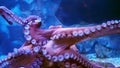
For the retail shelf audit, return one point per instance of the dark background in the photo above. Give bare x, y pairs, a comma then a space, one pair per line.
93, 11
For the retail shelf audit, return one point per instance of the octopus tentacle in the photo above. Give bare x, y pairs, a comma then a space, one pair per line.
9, 16
23, 57
74, 35
16, 56
70, 59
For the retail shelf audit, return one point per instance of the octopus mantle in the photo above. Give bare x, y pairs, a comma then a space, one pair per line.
54, 47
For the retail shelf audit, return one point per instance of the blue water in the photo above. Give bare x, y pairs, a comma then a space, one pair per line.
67, 13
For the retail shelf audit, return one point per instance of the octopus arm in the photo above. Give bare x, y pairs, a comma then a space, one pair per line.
71, 36
21, 57
9, 16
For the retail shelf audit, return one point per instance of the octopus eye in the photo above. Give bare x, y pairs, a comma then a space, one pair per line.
33, 20
37, 22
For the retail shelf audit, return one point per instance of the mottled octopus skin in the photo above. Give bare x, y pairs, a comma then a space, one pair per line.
54, 47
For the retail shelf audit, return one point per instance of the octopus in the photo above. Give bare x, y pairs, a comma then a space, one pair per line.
53, 47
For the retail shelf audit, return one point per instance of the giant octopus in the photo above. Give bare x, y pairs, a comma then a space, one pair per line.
53, 47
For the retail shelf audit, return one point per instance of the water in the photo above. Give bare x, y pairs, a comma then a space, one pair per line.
75, 13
